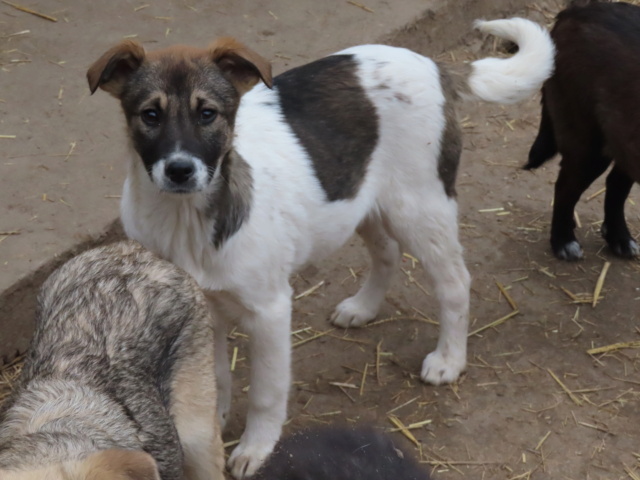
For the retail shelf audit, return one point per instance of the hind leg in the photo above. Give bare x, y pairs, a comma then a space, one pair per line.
429, 230
578, 170
544, 147
614, 228
385, 255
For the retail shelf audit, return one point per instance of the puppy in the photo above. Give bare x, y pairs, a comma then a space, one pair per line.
241, 186
339, 453
589, 116
119, 380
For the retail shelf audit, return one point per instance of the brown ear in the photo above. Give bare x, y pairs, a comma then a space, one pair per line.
112, 69
241, 65
119, 464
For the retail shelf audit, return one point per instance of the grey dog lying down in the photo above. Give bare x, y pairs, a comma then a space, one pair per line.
119, 381
119, 384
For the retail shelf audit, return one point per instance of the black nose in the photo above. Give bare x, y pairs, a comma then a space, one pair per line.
179, 171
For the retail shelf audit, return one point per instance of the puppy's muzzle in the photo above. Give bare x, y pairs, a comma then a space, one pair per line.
180, 171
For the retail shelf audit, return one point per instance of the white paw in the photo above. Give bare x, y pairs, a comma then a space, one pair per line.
437, 369
246, 458
352, 313
571, 251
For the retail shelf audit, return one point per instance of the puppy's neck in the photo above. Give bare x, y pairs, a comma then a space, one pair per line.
220, 210
230, 203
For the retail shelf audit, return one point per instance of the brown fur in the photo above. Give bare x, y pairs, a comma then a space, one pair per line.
114, 464
242, 66
109, 71
194, 411
233, 58
454, 81
119, 383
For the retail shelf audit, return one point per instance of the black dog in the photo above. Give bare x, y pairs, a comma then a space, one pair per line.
590, 115
339, 453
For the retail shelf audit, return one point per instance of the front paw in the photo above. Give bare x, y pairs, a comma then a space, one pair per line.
352, 313
247, 457
625, 247
438, 369
570, 251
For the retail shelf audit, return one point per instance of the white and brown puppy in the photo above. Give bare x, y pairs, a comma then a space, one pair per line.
119, 380
241, 186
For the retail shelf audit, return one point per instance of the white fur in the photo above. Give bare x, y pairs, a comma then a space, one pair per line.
510, 80
200, 175
401, 203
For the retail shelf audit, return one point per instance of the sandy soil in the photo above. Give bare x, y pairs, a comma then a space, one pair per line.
533, 403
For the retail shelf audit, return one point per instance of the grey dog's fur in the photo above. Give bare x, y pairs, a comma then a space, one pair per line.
122, 358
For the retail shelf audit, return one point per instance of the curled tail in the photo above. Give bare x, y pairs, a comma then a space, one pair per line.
509, 80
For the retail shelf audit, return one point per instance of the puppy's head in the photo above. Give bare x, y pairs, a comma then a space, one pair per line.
105, 465
180, 104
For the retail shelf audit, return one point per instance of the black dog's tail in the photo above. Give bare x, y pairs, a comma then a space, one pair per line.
544, 148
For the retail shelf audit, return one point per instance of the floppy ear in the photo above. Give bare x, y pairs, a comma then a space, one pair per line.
111, 70
121, 465
242, 66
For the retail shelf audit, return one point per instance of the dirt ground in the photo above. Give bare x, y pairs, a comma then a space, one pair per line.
533, 404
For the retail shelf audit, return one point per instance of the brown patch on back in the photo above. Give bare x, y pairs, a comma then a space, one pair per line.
453, 84
335, 121
457, 77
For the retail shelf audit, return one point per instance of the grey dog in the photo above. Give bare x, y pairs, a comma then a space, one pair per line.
119, 381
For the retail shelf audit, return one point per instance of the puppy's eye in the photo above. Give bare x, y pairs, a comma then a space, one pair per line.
207, 115
151, 117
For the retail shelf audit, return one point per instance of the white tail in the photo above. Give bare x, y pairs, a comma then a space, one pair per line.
509, 80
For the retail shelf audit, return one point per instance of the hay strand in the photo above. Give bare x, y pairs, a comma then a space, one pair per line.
30, 11
614, 347
403, 429
494, 323
507, 297
234, 358
317, 335
364, 378
308, 292
575, 399
600, 283
360, 5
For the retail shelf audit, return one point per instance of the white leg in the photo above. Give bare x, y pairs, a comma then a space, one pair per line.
429, 229
269, 329
385, 254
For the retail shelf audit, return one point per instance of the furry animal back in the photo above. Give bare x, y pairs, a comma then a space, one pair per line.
119, 379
